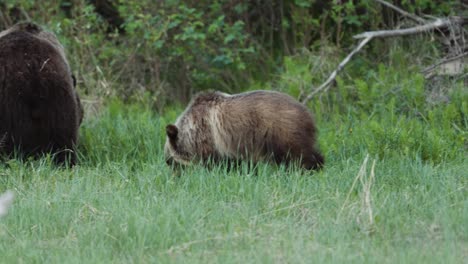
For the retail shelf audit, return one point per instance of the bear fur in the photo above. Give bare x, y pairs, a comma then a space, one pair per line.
40, 110
258, 125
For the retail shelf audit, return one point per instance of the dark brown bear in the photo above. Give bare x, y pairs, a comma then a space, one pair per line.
258, 125
40, 110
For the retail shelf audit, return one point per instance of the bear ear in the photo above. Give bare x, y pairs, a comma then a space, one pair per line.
172, 131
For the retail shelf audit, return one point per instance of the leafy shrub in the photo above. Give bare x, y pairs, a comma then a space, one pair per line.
384, 111
166, 50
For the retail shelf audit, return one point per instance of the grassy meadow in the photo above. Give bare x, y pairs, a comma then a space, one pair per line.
395, 184
393, 191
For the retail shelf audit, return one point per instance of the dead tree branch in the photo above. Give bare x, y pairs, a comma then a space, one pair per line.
368, 36
335, 72
447, 60
438, 23
403, 12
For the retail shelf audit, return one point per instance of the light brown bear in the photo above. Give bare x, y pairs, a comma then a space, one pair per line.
257, 125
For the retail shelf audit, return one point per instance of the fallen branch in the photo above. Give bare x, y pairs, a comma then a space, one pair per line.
430, 68
438, 23
368, 36
335, 72
403, 12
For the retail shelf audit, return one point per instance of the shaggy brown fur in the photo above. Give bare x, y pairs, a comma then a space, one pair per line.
258, 125
40, 110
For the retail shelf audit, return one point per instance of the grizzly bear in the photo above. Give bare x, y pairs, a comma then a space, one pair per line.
40, 110
254, 126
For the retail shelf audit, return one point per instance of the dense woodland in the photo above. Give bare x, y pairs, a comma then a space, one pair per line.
171, 49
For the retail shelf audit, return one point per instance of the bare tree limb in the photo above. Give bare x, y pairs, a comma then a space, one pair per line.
431, 68
403, 12
367, 36
444, 61
438, 23
338, 69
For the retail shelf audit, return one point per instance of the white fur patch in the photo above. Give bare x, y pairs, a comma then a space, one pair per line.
224, 94
5, 32
220, 144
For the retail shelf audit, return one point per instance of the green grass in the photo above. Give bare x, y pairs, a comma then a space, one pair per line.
122, 204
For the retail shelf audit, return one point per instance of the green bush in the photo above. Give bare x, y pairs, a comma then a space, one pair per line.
166, 50
385, 110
